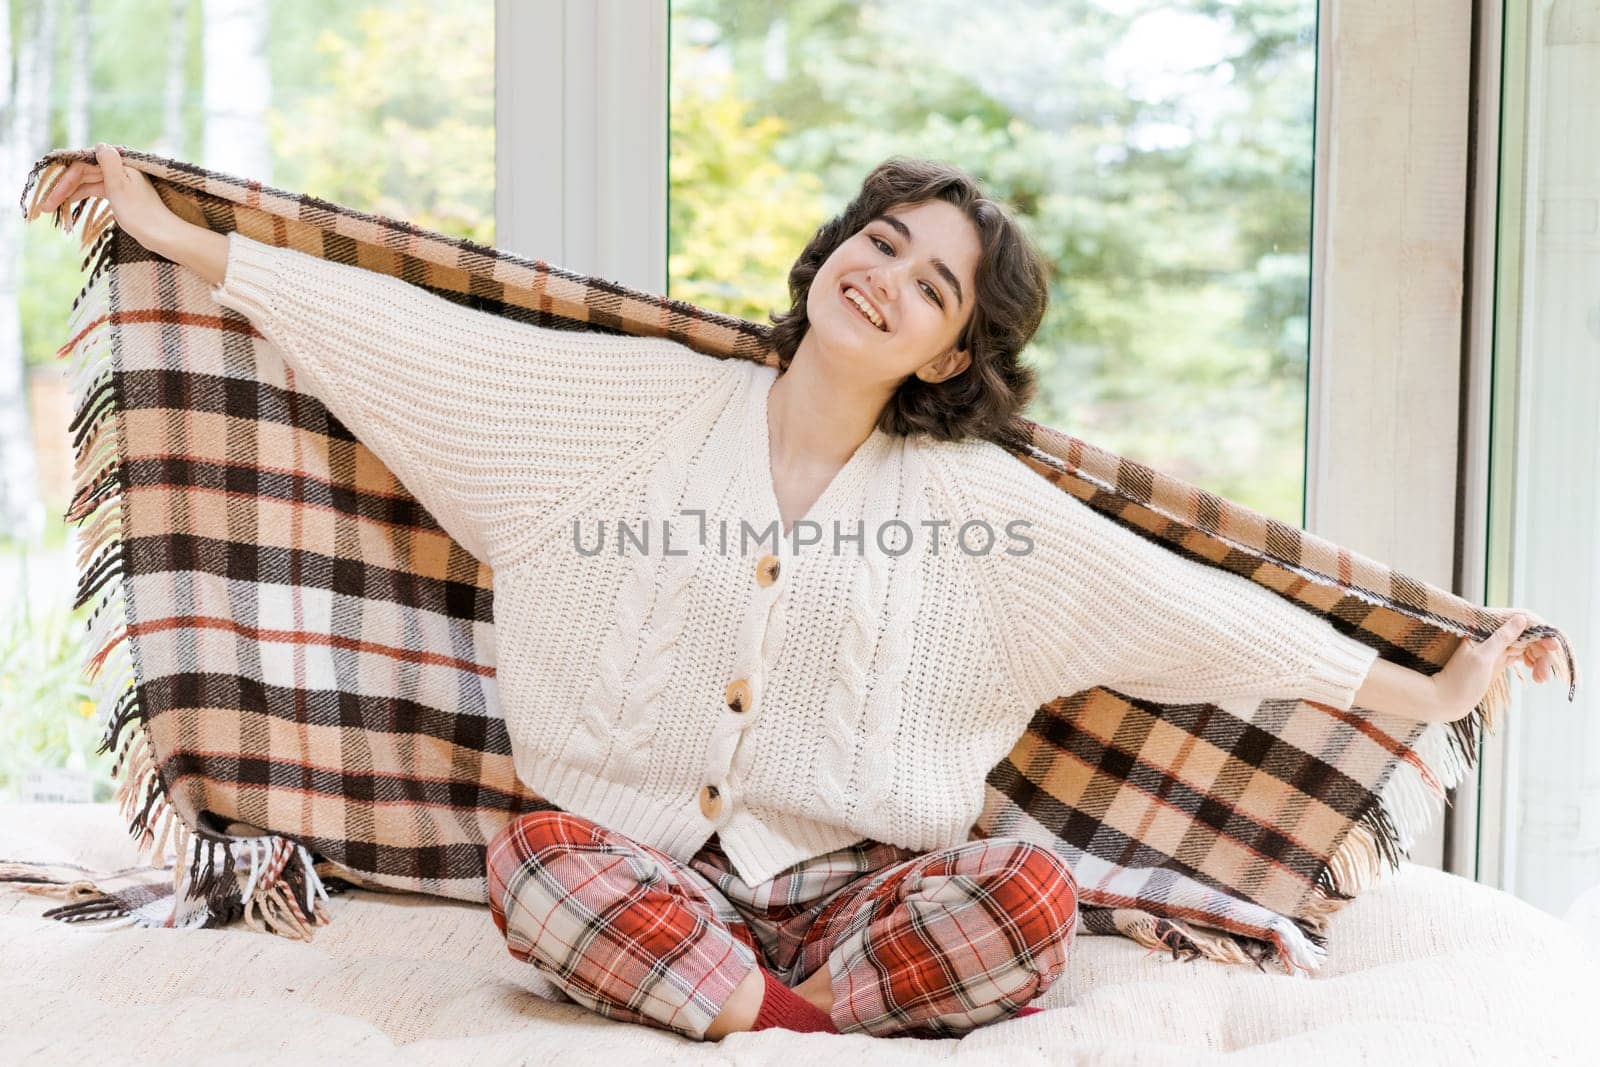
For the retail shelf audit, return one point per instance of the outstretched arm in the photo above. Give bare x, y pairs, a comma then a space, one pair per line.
489, 421
1094, 603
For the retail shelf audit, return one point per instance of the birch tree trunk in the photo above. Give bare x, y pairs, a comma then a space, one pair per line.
171, 140
238, 87
24, 111
78, 72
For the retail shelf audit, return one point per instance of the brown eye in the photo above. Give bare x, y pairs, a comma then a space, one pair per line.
933, 293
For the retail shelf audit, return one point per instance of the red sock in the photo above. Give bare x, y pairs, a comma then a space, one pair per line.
1026, 1011
783, 1008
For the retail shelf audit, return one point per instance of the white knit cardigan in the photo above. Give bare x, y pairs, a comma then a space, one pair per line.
787, 697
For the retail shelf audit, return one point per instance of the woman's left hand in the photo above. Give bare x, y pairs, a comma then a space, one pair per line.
1461, 684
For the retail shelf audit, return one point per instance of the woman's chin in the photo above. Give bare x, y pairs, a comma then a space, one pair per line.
855, 333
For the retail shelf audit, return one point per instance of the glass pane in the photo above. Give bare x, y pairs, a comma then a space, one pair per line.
308, 96
1545, 473
1162, 159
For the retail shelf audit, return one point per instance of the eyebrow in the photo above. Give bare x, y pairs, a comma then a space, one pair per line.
938, 264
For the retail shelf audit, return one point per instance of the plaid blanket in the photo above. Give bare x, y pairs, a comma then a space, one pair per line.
207, 481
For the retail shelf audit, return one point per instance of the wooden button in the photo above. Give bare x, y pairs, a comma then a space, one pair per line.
767, 570
710, 801
737, 695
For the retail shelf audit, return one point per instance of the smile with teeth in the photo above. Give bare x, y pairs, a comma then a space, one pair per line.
860, 302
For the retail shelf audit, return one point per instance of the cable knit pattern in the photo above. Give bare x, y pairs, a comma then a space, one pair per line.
848, 693
856, 769
879, 751
881, 688
665, 579
613, 718
598, 718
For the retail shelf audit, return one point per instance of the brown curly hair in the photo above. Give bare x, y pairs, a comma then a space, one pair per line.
1012, 291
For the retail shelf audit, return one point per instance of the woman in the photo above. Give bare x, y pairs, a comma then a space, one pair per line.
763, 764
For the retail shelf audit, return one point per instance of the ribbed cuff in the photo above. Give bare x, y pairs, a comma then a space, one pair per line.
1339, 671
249, 278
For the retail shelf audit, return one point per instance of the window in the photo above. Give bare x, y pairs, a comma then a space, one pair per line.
1161, 159
1540, 830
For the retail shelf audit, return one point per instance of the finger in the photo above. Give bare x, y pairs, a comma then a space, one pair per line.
1508, 632
62, 186
110, 161
83, 192
1553, 663
1516, 665
47, 194
68, 191
88, 189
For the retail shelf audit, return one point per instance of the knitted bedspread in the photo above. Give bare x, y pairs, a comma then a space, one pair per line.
207, 482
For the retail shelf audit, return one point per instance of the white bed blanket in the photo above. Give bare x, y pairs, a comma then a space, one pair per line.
1425, 968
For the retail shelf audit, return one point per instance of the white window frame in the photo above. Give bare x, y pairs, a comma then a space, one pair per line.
581, 136
1476, 838
581, 114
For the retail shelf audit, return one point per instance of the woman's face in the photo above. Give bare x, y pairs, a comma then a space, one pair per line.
915, 265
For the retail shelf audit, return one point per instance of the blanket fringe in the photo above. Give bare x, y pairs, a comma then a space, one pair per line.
281, 891
1187, 940
1405, 805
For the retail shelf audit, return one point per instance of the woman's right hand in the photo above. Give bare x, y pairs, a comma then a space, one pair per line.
134, 202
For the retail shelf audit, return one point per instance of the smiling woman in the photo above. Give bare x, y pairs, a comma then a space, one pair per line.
909, 313
957, 287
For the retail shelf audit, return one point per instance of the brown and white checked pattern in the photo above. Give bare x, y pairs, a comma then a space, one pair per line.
223, 509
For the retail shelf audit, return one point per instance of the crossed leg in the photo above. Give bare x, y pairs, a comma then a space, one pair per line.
945, 942
935, 945
626, 931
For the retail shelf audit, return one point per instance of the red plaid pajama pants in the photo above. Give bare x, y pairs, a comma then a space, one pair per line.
922, 944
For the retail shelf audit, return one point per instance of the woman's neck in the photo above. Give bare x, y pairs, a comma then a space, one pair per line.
815, 423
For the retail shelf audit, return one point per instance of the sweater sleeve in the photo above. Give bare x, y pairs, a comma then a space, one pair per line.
489, 422
1094, 603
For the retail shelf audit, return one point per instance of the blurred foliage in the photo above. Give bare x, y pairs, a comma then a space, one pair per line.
1172, 196
394, 114
737, 217
46, 716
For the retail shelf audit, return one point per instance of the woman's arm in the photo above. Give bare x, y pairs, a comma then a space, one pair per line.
1090, 602
1396, 690
201, 250
1461, 684
492, 423
1094, 603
